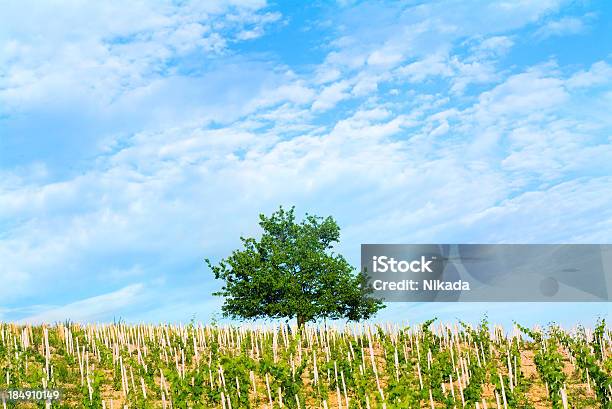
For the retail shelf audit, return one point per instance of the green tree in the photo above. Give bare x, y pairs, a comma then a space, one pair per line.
292, 272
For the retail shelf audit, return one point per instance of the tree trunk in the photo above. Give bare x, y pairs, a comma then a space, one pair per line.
301, 320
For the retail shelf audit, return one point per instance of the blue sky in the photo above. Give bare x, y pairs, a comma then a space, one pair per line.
138, 138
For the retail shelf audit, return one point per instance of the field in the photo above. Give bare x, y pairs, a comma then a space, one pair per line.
429, 365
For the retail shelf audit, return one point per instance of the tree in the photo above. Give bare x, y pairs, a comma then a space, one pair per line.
292, 272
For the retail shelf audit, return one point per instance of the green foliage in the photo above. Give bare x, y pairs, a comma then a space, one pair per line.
379, 365
589, 359
292, 272
549, 363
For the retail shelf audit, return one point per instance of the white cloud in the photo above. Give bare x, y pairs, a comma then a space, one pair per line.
366, 84
477, 68
600, 73
331, 95
475, 72
384, 57
561, 27
297, 92
569, 212
533, 91
432, 65
326, 75
112, 48
496, 45
385, 37
90, 309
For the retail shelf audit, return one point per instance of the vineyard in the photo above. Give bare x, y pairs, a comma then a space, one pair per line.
429, 365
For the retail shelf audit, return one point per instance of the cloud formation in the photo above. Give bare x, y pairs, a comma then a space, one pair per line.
137, 146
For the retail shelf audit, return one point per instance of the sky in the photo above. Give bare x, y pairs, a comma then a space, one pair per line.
138, 138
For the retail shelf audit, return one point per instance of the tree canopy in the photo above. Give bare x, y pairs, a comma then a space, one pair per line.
292, 272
